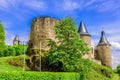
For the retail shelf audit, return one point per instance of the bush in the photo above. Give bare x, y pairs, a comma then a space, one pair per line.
13, 50
9, 51
107, 72
38, 76
118, 69
18, 61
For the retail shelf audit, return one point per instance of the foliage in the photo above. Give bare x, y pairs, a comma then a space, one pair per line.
20, 49
38, 76
9, 72
118, 69
65, 54
13, 50
18, 61
9, 51
6, 67
2, 37
99, 72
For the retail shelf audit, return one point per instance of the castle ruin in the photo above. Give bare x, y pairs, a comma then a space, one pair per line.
42, 29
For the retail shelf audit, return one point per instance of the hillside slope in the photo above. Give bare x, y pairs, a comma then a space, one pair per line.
5, 66
97, 71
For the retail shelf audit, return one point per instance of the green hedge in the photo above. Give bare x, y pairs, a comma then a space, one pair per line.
38, 76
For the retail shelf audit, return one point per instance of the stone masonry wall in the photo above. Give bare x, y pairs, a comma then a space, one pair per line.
87, 40
41, 30
104, 54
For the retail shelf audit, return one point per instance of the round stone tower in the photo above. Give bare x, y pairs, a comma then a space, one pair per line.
85, 36
41, 30
104, 52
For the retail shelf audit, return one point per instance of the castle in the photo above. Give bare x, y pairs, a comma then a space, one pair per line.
101, 53
42, 29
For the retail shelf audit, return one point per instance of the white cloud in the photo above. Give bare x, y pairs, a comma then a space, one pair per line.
115, 45
114, 37
109, 5
7, 4
4, 4
35, 4
115, 59
70, 5
89, 3
105, 6
98, 5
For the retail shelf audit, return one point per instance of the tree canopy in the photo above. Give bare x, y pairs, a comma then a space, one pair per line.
2, 37
14, 50
65, 54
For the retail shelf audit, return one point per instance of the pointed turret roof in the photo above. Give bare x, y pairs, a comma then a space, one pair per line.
103, 39
82, 29
16, 38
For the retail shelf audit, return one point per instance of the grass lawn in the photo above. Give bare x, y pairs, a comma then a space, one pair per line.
5, 66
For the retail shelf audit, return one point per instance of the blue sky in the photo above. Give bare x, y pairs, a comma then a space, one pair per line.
16, 16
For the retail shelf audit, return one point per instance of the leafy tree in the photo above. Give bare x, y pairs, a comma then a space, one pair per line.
118, 69
19, 49
66, 53
13, 50
2, 37
9, 51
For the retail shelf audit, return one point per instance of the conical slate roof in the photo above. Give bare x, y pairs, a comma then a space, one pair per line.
82, 29
103, 39
16, 38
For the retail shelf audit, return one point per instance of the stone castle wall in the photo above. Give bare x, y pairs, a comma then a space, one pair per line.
104, 55
41, 30
87, 40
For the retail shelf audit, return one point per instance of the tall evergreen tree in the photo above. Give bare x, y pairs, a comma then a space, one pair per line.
2, 37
